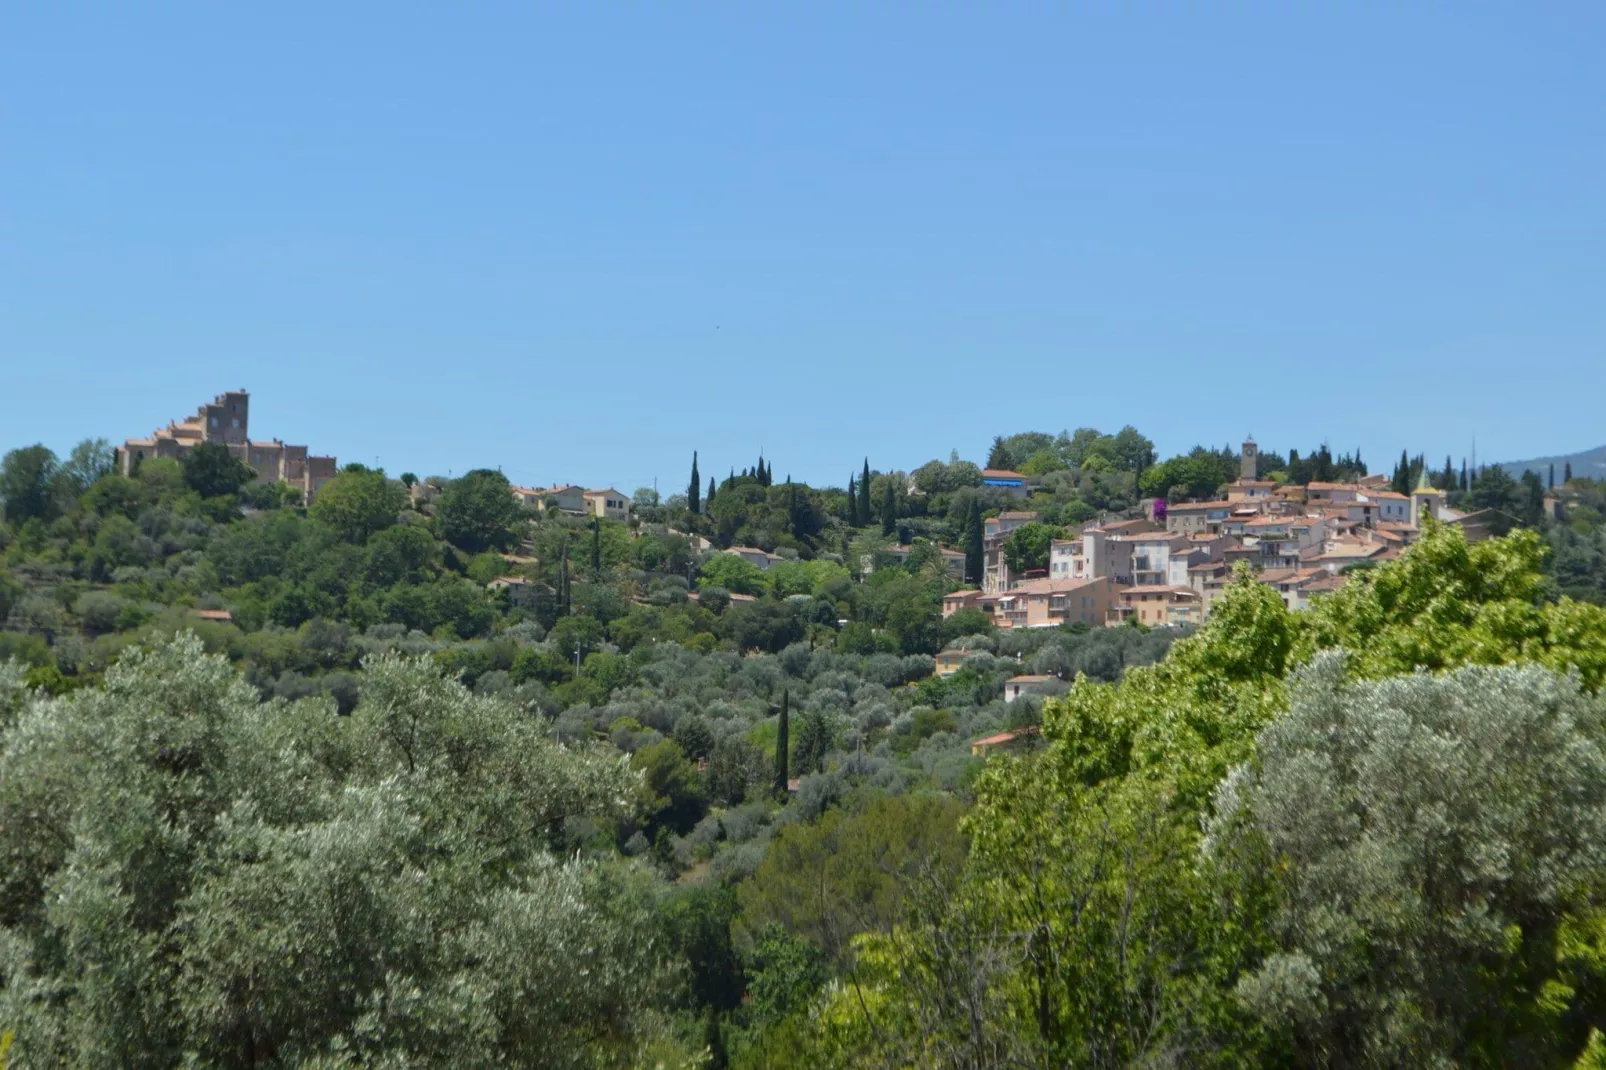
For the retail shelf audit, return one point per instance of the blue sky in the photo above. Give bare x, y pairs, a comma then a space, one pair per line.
580, 241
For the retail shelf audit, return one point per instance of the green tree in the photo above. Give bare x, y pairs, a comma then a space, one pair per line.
89, 461
783, 744
677, 798
846, 874
211, 471
1428, 919
733, 573
358, 504
974, 547
863, 516
217, 880
478, 512
1027, 547
694, 489
26, 478
889, 509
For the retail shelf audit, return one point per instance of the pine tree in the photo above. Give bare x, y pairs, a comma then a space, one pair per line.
998, 456
889, 510
864, 495
973, 544
853, 503
782, 744
694, 489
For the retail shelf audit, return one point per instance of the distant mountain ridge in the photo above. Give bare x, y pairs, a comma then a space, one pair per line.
1590, 463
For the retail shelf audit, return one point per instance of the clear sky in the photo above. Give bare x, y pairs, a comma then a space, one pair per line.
579, 241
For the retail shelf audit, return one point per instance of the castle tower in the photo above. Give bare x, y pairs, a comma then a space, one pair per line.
1248, 460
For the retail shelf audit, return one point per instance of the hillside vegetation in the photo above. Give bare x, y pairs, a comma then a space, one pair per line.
388, 814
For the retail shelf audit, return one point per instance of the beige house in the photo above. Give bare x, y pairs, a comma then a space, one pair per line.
1157, 606
607, 503
754, 556
1049, 603
1016, 686
566, 498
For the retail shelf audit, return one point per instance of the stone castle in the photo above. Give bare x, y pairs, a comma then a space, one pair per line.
225, 420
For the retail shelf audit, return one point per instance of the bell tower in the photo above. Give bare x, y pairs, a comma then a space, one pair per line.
1248, 459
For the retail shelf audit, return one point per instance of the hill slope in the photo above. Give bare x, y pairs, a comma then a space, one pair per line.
1585, 463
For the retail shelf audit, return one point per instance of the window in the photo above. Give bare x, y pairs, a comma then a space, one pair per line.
236, 423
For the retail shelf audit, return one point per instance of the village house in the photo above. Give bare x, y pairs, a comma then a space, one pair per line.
995, 566
953, 560
998, 742
530, 497
754, 556
1013, 483
1156, 606
1049, 603
606, 503
1016, 686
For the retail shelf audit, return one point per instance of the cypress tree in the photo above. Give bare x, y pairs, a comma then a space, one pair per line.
853, 503
694, 490
782, 744
1402, 474
1466, 484
791, 506
1551, 485
864, 495
596, 547
1567, 472
709, 500
973, 544
889, 510
1447, 477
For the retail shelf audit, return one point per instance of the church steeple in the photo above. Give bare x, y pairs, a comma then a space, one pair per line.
1425, 500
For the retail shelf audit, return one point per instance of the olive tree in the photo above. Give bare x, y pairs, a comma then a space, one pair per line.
1439, 843
190, 876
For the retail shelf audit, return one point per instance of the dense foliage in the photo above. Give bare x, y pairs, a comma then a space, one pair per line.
418, 776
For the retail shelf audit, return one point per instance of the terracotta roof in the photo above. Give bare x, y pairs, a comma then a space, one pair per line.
1017, 514
1030, 678
213, 614
1000, 473
604, 492
1005, 737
